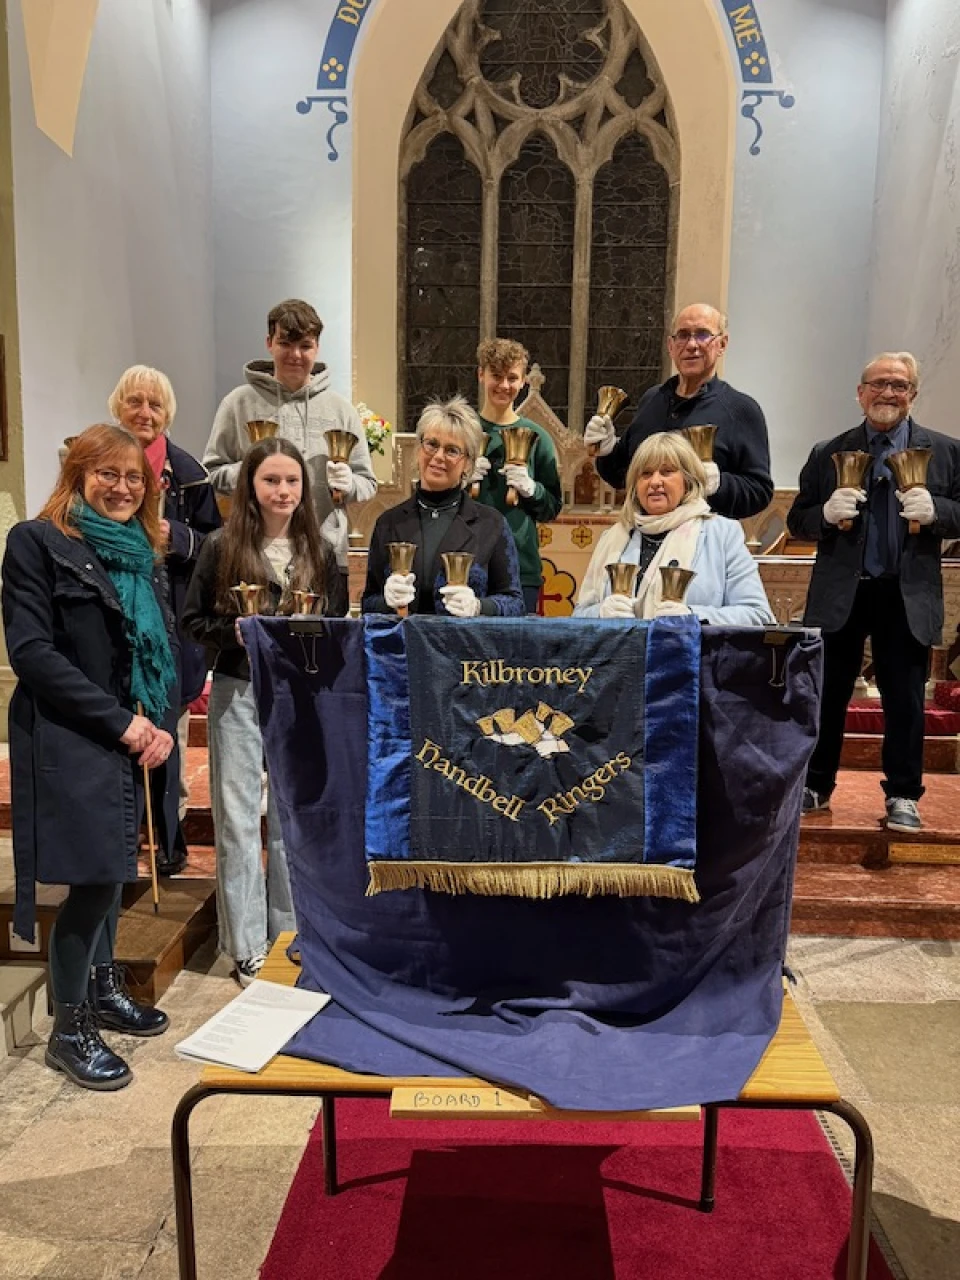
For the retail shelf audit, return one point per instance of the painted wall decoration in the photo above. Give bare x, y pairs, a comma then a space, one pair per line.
334, 69
753, 60
756, 72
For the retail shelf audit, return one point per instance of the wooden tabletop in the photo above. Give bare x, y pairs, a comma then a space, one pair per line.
791, 1069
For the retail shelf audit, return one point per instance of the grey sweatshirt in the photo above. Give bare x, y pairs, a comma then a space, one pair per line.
303, 416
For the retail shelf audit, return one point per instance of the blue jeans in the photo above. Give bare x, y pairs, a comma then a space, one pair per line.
252, 907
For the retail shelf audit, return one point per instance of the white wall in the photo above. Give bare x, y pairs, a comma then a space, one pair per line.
114, 262
803, 218
915, 286
282, 212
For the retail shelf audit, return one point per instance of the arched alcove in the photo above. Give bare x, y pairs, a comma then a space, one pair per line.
686, 41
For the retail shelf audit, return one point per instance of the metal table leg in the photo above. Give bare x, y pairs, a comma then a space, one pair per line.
182, 1180
328, 1112
708, 1174
859, 1251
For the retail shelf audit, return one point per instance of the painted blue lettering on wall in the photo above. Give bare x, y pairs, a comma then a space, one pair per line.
335, 67
754, 62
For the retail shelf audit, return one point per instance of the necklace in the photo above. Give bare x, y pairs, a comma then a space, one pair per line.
435, 511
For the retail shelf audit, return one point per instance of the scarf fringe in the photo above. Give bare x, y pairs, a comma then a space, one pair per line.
535, 879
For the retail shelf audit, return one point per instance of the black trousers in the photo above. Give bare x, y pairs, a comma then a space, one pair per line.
900, 665
83, 934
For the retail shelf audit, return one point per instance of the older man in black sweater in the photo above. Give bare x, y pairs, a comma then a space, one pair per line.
738, 480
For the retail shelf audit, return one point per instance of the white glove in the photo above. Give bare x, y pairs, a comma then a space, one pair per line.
461, 602
616, 606
481, 469
713, 478
599, 432
519, 478
843, 505
917, 505
672, 609
340, 477
399, 590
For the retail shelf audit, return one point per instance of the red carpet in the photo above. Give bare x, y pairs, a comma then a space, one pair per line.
494, 1201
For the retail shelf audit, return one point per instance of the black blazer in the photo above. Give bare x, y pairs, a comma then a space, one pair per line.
839, 563
494, 576
74, 786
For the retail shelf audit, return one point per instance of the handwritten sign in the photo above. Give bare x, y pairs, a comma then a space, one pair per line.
448, 1100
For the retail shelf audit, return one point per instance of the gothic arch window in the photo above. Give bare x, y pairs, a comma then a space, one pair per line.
539, 174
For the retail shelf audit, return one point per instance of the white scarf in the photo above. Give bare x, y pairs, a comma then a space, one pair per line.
682, 527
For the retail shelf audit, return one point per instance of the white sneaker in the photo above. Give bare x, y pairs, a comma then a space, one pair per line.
247, 970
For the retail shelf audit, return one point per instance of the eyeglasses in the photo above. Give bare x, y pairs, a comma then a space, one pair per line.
700, 336
135, 480
899, 386
451, 452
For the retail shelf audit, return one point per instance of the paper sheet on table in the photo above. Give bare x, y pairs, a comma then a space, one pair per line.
253, 1027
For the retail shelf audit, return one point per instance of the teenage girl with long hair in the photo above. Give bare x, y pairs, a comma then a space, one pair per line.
271, 538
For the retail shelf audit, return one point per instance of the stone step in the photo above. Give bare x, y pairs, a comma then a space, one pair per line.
877, 902
23, 1002
862, 751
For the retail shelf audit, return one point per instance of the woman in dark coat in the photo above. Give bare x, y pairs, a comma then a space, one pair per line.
442, 517
144, 403
91, 643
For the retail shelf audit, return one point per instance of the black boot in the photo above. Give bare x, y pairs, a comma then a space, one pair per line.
116, 1010
75, 1048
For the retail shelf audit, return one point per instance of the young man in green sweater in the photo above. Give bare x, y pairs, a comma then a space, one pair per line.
502, 368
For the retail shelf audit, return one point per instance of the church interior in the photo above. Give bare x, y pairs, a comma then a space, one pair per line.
427, 173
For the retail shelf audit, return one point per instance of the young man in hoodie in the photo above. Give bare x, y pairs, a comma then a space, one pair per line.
293, 390
501, 371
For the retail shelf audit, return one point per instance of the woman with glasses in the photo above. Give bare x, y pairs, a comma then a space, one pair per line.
440, 516
144, 403
94, 650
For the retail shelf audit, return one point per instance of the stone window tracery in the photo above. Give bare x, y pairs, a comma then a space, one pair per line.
539, 179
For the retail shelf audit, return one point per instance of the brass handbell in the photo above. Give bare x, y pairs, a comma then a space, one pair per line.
909, 468
852, 468
261, 429
401, 561
248, 597
702, 440
610, 400
623, 578
340, 445
675, 582
475, 486
517, 443
305, 602
457, 564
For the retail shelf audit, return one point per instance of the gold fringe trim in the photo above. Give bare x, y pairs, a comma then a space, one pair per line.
535, 879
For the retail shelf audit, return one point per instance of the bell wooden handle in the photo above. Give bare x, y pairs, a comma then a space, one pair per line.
845, 526
475, 490
913, 526
512, 498
403, 610
592, 450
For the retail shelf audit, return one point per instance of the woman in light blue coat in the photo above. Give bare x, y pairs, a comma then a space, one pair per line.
665, 520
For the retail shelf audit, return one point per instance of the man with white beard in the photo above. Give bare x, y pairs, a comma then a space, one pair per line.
872, 577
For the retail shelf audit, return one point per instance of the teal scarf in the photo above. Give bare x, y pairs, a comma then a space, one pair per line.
125, 552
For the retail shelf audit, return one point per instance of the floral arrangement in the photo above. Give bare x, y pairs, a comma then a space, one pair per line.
376, 428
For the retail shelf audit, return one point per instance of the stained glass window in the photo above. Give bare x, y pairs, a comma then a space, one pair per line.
540, 178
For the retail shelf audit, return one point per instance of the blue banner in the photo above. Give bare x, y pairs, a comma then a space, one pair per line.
512, 758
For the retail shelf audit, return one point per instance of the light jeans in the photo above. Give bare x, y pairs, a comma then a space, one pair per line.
252, 908
183, 738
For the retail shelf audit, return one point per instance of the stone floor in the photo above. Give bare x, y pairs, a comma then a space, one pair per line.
85, 1184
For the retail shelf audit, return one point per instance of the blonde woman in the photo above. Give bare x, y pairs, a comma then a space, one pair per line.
665, 520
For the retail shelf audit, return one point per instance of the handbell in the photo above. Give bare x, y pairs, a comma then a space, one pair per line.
248, 597
701, 439
675, 582
475, 486
261, 429
457, 564
909, 467
340, 445
305, 602
401, 561
517, 443
623, 578
610, 400
852, 468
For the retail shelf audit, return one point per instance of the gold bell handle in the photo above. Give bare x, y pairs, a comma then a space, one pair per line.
845, 526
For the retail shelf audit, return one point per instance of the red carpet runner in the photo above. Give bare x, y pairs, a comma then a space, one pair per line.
494, 1201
